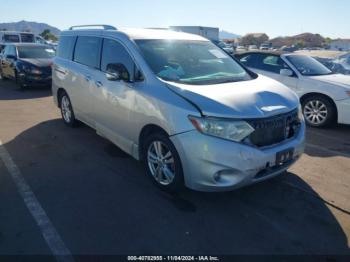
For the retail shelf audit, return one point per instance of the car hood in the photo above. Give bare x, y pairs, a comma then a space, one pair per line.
257, 98
38, 62
334, 79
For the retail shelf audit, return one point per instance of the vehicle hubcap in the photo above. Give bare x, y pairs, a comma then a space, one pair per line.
161, 163
66, 111
315, 112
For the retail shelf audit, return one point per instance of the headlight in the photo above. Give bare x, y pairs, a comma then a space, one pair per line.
31, 70
26, 68
300, 114
226, 129
35, 71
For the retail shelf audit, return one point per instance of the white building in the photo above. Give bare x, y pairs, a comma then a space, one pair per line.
340, 45
211, 33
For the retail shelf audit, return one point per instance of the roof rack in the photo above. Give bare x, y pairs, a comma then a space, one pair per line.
105, 27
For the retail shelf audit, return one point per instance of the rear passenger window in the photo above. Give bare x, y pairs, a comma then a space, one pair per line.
269, 63
87, 51
115, 53
65, 47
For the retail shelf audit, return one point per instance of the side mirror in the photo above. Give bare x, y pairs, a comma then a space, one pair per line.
11, 57
117, 72
286, 72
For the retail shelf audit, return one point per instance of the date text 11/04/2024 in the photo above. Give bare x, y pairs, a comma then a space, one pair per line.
173, 258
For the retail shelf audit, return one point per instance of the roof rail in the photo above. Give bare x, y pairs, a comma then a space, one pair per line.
105, 27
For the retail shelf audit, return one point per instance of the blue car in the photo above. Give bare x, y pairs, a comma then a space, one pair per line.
27, 64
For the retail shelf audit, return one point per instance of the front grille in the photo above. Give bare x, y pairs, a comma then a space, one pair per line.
274, 130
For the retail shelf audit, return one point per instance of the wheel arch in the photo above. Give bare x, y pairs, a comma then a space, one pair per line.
60, 92
308, 95
145, 132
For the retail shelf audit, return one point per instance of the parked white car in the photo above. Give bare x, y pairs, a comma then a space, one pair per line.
253, 47
241, 48
343, 60
325, 96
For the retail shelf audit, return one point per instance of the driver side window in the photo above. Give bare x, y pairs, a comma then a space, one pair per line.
114, 54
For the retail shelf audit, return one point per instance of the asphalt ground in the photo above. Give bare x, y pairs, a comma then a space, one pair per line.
99, 201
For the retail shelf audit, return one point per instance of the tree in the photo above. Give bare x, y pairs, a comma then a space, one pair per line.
328, 40
47, 35
300, 43
254, 39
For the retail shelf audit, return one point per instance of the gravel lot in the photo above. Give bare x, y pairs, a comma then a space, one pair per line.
100, 201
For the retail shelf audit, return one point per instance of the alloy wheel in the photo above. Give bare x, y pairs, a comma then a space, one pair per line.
315, 112
161, 163
66, 109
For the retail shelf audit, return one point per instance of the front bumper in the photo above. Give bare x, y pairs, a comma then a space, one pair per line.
203, 157
34, 80
343, 107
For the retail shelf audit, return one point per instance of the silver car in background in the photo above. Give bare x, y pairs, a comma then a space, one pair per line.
180, 104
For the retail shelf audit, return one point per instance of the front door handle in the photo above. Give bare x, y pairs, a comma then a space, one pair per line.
87, 78
98, 83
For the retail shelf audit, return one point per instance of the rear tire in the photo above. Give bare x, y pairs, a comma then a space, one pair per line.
67, 110
319, 111
162, 163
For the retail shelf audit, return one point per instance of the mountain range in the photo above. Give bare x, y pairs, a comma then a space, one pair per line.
38, 28
33, 27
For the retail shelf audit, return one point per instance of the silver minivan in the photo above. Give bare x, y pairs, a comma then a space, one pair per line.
190, 112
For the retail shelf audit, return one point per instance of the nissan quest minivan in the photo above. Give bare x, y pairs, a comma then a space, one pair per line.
189, 111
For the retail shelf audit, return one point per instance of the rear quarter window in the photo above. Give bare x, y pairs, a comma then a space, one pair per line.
66, 47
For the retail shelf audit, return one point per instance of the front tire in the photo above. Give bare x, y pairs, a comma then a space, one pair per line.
318, 111
67, 110
19, 83
162, 163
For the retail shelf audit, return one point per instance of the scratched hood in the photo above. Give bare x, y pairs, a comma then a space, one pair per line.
38, 62
261, 97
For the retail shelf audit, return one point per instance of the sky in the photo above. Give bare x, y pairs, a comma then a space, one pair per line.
329, 18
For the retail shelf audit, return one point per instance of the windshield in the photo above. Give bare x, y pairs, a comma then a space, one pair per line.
308, 66
191, 62
35, 52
